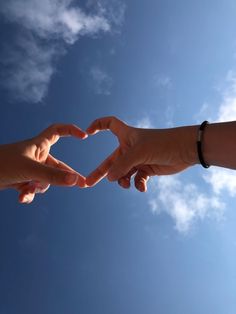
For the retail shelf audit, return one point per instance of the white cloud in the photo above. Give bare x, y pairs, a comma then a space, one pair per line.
184, 202
101, 81
29, 71
53, 18
221, 180
45, 28
113, 9
203, 113
144, 123
227, 109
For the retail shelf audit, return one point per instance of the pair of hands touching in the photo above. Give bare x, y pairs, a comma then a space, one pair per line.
29, 167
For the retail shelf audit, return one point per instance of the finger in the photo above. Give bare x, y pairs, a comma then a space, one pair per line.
29, 189
101, 171
141, 180
52, 161
55, 131
50, 175
26, 198
124, 182
107, 123
161, 170
129, 160
39, 187
27, 193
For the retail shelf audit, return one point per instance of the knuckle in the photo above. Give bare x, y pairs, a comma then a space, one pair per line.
96, 121
53, 177
54, 126
74, 126
100, 171
99, 124
114, 119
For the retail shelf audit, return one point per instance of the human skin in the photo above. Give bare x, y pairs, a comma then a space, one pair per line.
143, 153
28, 166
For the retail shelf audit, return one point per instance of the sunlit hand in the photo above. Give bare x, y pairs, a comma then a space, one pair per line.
142, 152
29, 167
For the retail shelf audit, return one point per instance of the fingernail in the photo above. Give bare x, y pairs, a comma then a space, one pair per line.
26, 200
38, 191
41, 188
81, 183
71, 178
84, 186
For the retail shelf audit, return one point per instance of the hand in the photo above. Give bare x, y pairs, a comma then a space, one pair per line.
29, 167
143, 153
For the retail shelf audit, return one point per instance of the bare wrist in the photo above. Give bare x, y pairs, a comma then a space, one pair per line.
189, 144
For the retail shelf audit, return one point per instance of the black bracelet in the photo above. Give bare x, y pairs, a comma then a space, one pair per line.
199, 144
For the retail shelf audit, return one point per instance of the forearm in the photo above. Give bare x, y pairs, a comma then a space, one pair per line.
3, 166
4, 157
218, 144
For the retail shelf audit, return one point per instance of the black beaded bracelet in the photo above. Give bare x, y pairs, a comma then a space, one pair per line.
199, 144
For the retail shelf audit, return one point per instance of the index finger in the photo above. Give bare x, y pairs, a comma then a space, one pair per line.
56, 163
107, 123
55, 131
101, 171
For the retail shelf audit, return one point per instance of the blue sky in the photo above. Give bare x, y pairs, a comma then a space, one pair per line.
107, 250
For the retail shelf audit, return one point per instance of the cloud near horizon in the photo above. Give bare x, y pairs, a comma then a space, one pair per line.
46, 28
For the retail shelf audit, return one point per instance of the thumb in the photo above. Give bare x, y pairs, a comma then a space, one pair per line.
50, 175
124, 163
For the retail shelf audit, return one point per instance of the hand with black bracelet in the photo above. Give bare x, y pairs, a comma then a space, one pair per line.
149, 152
143, 153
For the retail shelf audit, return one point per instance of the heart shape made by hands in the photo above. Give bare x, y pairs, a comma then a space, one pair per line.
90, 146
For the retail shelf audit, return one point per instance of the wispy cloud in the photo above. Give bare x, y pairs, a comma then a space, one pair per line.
162, 81
53, 18
144, 123
28, 69
114, 10
227, 109
221, 180
101, 81
45, 28
183, 201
